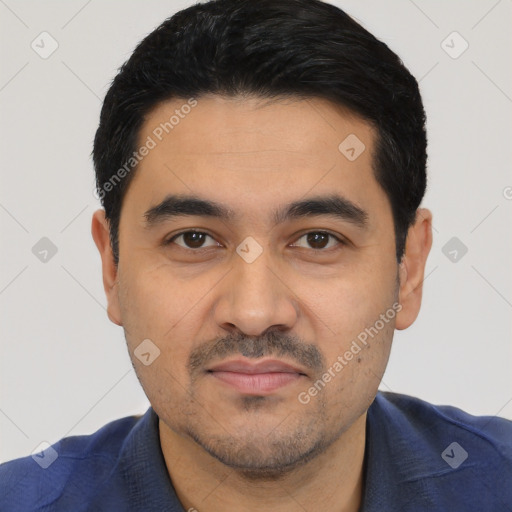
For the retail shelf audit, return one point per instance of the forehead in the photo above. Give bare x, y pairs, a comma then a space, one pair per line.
247, 151
307, 127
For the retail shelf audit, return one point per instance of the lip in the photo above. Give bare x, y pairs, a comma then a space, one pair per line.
252, 367
256, 378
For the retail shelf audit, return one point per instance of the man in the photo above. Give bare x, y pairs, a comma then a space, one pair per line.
261, 167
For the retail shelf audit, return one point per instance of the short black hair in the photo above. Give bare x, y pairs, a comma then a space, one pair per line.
270, 49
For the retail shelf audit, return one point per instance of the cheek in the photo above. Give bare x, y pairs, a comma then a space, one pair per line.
354, 317
158, 306
156, 300
152, 310
355, 366
347, 303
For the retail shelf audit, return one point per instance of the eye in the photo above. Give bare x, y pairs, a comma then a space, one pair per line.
191, 240
319, 240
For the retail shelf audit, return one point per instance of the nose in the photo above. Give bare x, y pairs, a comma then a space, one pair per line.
255, 298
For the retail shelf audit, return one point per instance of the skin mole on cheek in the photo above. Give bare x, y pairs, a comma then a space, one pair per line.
358, 359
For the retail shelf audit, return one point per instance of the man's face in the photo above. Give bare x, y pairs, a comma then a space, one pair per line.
256, 287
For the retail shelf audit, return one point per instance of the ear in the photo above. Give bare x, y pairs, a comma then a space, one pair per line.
412, 268
100, 230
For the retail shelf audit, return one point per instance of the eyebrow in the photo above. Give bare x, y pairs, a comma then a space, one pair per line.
188, 205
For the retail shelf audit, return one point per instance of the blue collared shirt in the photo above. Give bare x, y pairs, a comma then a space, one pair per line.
419, 457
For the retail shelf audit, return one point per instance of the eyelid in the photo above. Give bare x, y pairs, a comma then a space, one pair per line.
341, 240
168, 241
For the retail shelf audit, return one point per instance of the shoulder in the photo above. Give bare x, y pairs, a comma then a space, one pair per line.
422, 419
438, 457
34, 482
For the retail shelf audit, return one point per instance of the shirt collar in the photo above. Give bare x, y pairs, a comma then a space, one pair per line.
140, 481
399, 461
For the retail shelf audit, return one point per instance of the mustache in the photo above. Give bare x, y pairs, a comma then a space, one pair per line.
272, 343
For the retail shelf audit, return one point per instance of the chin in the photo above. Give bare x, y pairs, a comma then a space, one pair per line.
261, 457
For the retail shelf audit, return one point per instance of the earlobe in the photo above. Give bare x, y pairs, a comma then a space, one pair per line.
412, 268
100, 231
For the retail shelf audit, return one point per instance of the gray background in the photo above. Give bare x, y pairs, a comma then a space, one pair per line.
64, 368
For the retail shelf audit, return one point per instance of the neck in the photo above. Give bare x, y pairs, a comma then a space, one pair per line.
333, 478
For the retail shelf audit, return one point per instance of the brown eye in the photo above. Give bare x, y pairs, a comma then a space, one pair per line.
191, 240
319, 240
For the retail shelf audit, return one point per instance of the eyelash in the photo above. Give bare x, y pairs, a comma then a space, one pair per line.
340, 241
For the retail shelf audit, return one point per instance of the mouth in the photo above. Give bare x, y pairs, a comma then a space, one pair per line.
256, 378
